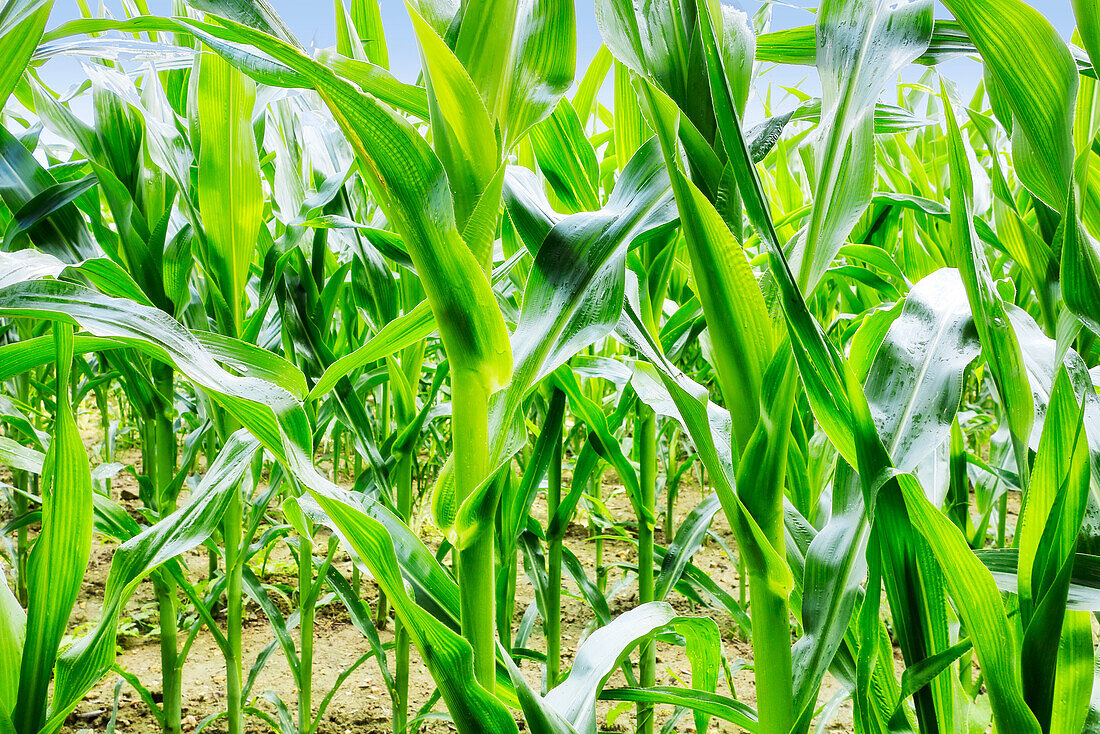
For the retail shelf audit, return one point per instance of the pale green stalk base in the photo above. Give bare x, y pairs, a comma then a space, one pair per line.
170, 664
477, 597
771, 652
476, 586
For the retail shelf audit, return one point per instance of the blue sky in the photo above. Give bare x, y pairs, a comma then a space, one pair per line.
313, 22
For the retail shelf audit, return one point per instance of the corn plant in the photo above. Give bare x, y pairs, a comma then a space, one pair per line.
417, 335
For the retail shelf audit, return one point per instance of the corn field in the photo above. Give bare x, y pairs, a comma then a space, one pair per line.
639, 394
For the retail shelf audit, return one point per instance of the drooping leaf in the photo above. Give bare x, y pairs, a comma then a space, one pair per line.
60, 555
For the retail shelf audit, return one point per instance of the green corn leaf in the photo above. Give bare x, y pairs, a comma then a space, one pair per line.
20, 458
463, 134
998, 339
902, 560
1074, 681
980, 608
655, 43
799, 45
710, 429
541, 717
411, 187
689, 538
402, 332
43, 205
915, 384
1047, 533
408, 98
13, 625
21, 25
567, 159
861, 45
566, 306
1080, 270
819, 364
347, 36
572, 297
1084, 579
483, 45
447, 655
24, 355
726, 286
1034, 69
516, 506
252, 361
913, 388
575, 697
367, 17
716, 705
229, 194
60, 555
610, 449
16, 418
631, 129
521, 56
1043, 360
584, 101
22, 180
254, 13
540, 66
1088, 25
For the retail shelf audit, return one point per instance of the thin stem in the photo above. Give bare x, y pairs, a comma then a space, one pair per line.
306, 611
102, 399
234, 568
163, 469
336, 455
356, 581
23, 484
552, 624
22, 547
477, 590
1002, 519
382, 610
210, 446
594, 529
401, 680
233, 538
646, 431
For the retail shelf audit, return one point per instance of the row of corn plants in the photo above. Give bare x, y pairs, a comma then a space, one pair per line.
448, 345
